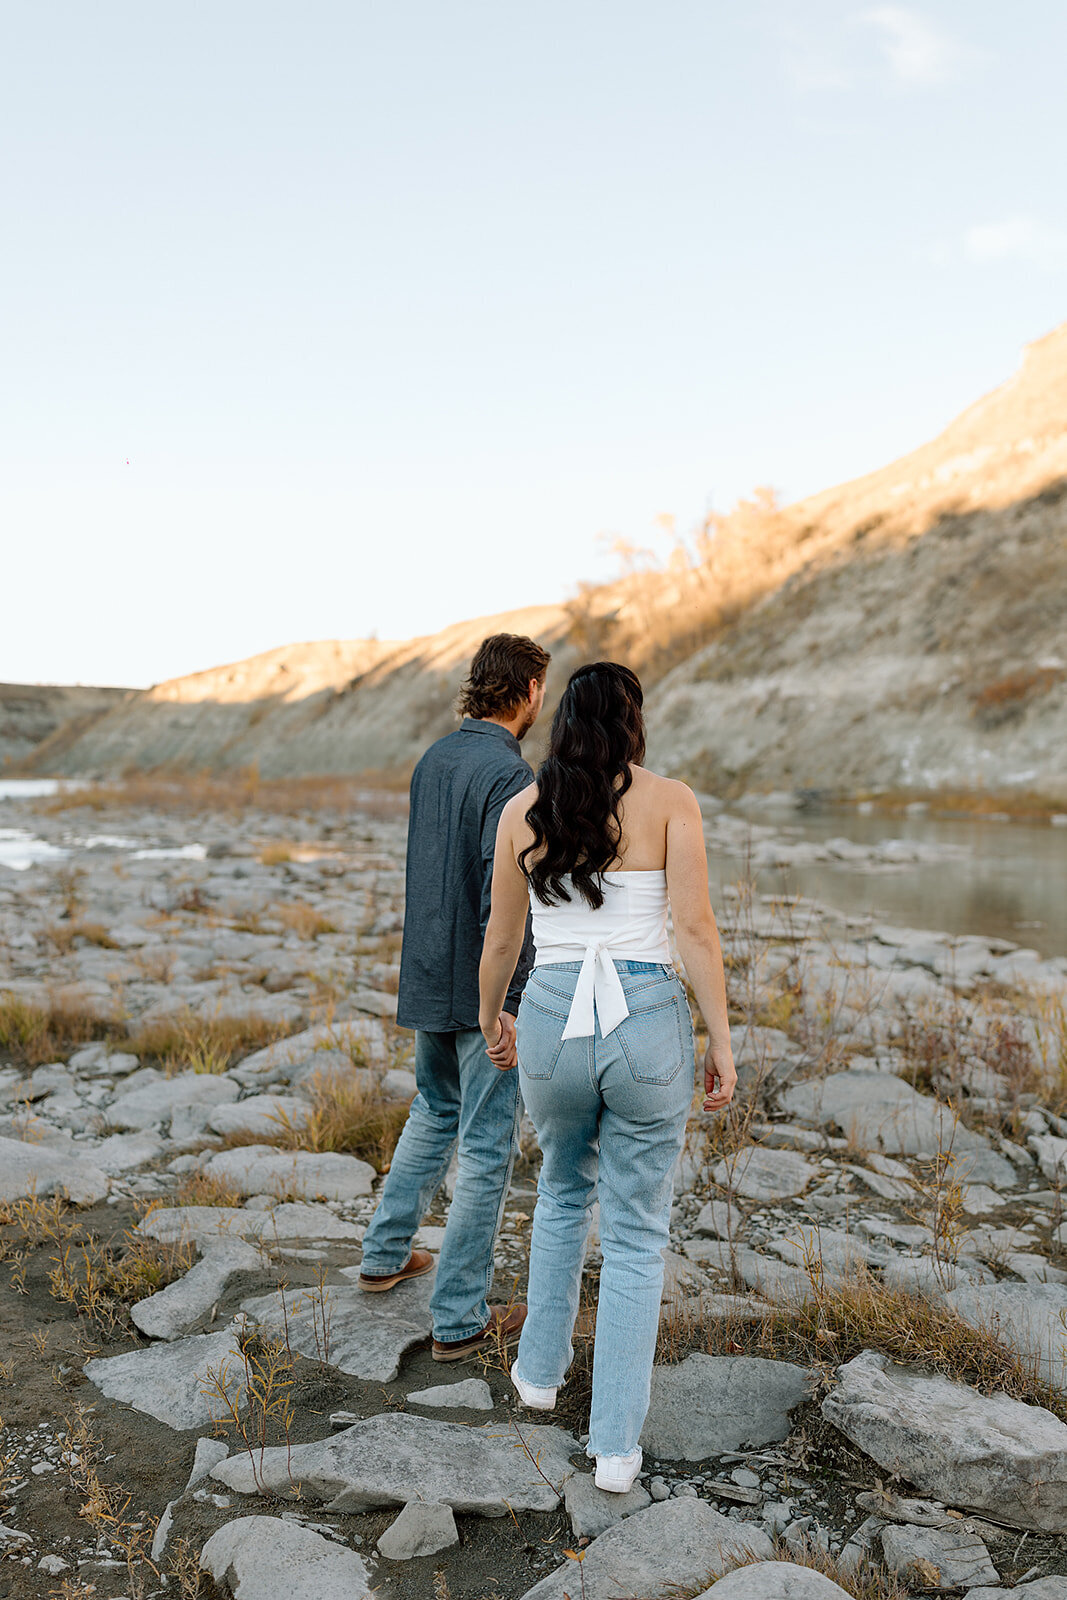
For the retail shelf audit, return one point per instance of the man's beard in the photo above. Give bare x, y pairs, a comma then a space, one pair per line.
529, 718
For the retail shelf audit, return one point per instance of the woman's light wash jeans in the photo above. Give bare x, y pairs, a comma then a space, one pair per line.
614, 1108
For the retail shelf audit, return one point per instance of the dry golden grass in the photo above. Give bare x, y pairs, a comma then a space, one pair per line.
376, 794
102, 1283
64, 935
200, 1188
306, 921
347, 1113
841, 1319
276, 854
31, 1035
1021, 805
869, 1583
188, 1043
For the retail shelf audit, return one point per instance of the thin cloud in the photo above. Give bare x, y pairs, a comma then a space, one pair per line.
919, 55
1026, 239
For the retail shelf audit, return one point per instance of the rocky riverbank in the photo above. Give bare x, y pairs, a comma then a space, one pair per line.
863, 1363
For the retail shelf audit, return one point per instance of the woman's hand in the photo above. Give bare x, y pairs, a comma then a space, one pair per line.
720, 1078
500, 1041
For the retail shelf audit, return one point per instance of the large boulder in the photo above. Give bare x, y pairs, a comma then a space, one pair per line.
985, 1453
710, 1404
266, 1558
201, 1225
655, 1553
393, 1458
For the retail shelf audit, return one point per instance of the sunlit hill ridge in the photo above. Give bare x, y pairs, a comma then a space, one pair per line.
903, 631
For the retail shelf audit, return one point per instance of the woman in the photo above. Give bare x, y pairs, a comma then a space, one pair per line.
597, 847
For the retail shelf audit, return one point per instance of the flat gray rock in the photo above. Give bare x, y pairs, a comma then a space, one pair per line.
775, 1580
157, 1104
1025, 1317
961, 1558
473, 1393
263, 1114
879, 1111
183, 1304
592, 1511
280, 1062
760, 1173
31, 1169
985, 1453
368, 1333
654, 1553
201, 1224
267, 1558
718, 1219
124, 1152
296, 1174
168, 1381
393, 1458
710, 1404
421, 1529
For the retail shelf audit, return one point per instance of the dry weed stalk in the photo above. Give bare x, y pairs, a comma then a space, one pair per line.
106, 1507
348, 1112
257, 1398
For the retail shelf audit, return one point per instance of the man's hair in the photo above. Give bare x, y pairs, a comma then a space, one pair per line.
499, 678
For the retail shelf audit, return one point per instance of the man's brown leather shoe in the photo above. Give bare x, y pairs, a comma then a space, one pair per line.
419, 1261
504, 1326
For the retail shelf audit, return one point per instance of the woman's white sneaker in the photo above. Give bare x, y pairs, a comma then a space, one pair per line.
616, 1474
530, 1395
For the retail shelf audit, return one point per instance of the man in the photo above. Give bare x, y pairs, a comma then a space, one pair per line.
458, 791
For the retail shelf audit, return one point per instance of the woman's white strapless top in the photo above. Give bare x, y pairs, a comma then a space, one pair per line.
631, 925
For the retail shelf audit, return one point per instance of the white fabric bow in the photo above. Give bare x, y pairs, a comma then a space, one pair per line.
598, 982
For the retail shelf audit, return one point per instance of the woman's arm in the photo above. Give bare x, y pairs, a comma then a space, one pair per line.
504, 933
698, 940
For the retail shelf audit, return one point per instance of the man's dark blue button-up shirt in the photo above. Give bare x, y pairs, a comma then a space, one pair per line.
458, 791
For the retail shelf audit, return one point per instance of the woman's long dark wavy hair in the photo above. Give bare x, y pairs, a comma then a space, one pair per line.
597, 731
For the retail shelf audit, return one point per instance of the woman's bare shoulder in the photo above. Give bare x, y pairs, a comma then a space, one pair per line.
516, 808
670, 793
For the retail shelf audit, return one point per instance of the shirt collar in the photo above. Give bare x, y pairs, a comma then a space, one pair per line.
478, 725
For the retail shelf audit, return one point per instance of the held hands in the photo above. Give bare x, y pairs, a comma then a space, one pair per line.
720, 1078
500, 1042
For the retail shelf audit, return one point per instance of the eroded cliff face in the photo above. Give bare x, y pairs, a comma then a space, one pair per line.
903, 630
30, 713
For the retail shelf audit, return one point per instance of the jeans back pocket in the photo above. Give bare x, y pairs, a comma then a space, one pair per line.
539, 1038
657, 1039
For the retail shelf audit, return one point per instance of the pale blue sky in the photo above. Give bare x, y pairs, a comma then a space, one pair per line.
393, 309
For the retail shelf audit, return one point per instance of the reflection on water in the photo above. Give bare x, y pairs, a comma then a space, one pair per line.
34, 788
1010, 884
19, 849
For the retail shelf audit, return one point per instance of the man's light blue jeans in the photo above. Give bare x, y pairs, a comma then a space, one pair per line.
463, 1099
612, 1110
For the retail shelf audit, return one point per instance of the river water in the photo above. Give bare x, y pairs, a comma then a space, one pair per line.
998, 879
